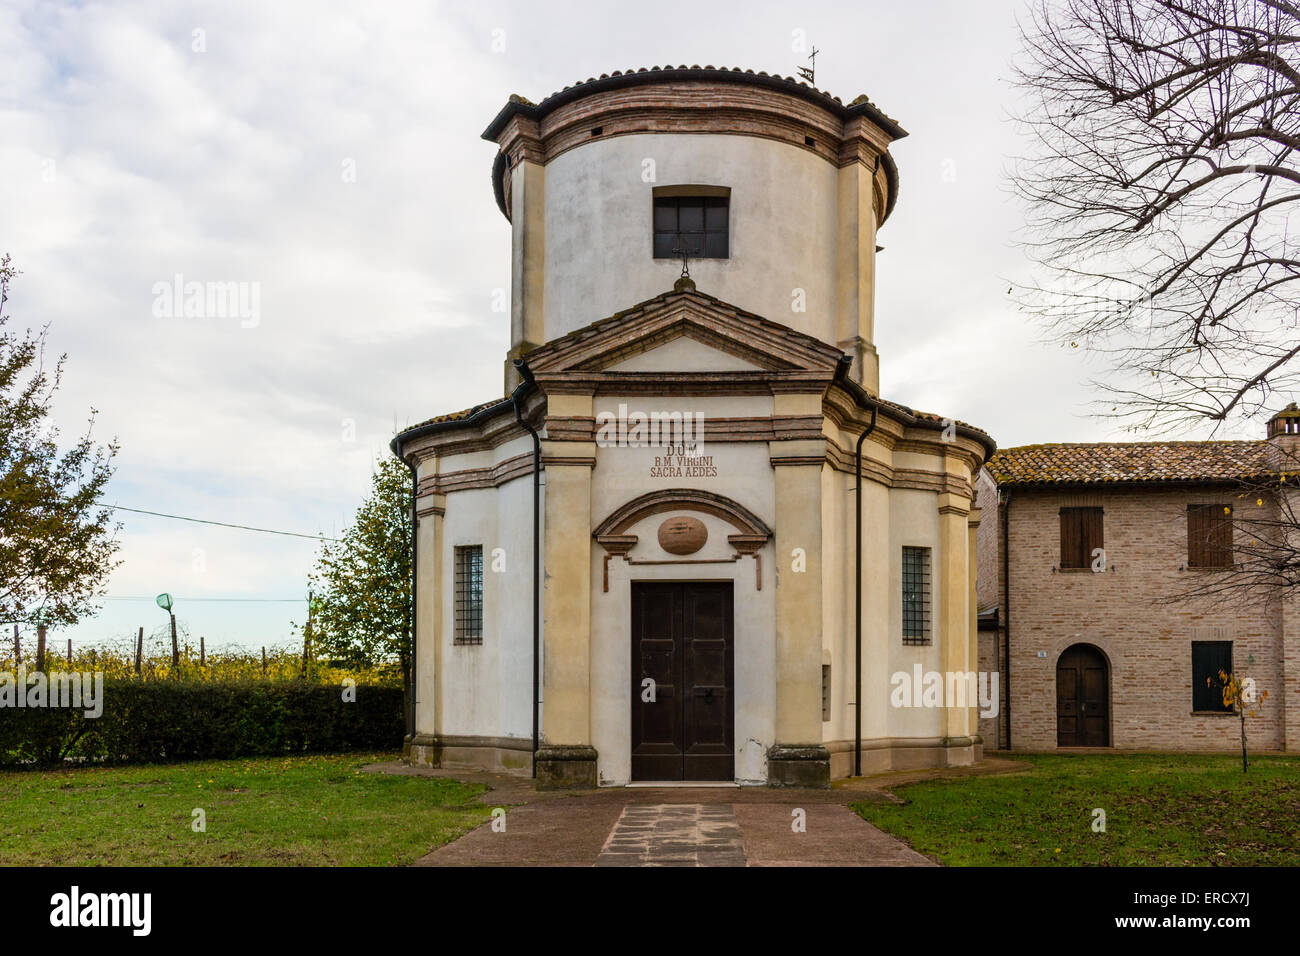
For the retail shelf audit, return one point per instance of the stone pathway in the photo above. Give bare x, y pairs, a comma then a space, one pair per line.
621, 827
674, 835
684, 826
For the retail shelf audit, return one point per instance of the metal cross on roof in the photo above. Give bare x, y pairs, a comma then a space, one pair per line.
809, 72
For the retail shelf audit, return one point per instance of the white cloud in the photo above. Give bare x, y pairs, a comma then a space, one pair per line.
227, 165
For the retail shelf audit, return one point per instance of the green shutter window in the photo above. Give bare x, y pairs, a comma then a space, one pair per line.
1208, 659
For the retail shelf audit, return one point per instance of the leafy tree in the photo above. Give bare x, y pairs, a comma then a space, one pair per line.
57, 543
361, 584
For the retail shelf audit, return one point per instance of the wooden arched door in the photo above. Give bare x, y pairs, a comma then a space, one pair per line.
1082, 698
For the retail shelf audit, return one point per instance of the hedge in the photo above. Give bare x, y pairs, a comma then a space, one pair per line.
171, 720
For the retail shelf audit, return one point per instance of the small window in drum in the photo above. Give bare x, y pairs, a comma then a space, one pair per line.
696, 224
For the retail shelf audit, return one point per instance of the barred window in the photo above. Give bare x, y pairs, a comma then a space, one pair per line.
1208, 659
916, 595
469, 594
1209, 536
696, 223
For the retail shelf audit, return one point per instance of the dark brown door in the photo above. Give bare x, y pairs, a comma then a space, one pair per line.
1082, 698
682, 668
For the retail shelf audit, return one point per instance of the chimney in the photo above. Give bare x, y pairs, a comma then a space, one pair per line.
1284, 437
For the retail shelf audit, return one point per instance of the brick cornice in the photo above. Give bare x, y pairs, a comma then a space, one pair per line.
720, 102
464, 479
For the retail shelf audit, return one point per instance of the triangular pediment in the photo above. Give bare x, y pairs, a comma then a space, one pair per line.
684, 333
685, 352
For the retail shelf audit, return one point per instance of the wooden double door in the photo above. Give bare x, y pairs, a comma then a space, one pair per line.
683, 666
1082, 698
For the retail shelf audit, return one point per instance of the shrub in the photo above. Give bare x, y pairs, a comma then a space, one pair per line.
171, 720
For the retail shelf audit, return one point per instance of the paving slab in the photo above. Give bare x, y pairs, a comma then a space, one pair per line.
674, 834
559, 832
828, 836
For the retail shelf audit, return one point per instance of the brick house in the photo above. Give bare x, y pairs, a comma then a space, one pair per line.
1087, 554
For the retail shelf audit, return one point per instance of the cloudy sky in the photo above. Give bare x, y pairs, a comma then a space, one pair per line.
328, 155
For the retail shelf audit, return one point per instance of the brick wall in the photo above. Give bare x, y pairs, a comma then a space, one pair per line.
1123, 612
986, 542
990, 728
988, 590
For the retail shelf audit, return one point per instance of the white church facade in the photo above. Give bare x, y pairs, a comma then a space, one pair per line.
693, 542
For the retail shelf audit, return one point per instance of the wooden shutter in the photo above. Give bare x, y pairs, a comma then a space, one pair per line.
1071, 535
1092, 522
1198, 534
1209, 536
1221, 536
1081, 534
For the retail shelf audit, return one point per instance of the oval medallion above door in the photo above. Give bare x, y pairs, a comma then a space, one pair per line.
683, 535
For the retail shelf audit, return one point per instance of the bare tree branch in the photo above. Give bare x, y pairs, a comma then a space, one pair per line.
1160, 181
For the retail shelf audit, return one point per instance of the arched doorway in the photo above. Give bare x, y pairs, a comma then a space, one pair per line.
1082, 698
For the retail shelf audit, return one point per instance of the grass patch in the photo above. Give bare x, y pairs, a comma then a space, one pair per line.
286, 811
1161, 810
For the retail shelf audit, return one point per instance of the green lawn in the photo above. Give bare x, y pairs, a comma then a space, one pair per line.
291, 811
1160, 810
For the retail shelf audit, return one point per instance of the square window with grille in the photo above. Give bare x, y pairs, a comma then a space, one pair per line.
1208, 659
698, 224
916, 595
1081, 535
1209, 536
469, 594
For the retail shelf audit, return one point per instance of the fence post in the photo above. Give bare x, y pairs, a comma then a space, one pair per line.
307, 633
263, 660
40, 647
139, 650
203, 653
18, 647
69, 652
176, 648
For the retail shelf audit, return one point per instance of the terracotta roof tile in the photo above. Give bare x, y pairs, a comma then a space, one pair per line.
650, 304
859, 104
459, 416
1126, 462
600, 325
936, 419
